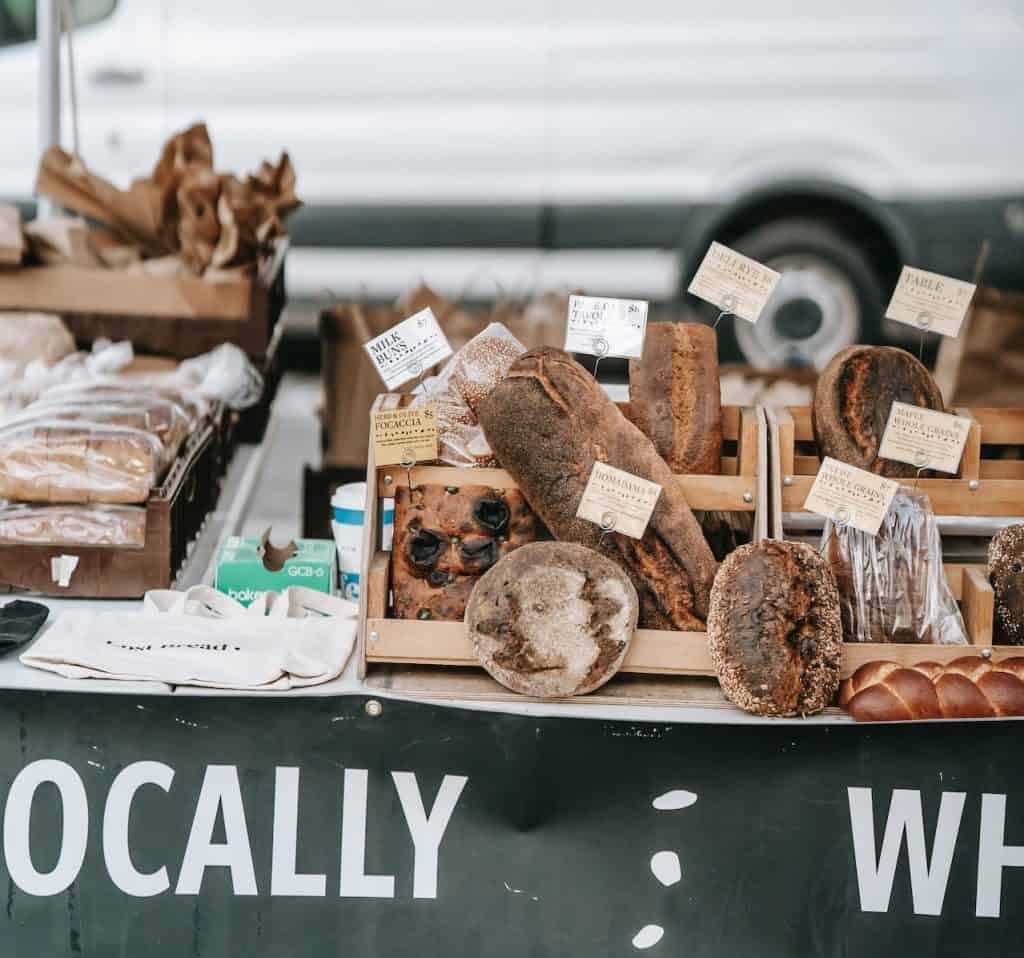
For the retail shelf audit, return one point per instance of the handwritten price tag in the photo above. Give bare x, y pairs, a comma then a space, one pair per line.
618, 500
930, 302
606, 327
924, 438
734, 283
406, 350
850, 496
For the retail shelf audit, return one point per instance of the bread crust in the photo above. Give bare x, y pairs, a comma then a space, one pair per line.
774, 631
552, 619
675, 396
853, 398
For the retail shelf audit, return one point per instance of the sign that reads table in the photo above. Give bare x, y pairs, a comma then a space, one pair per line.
405, 435
850, 496
930, 301
618, 501
734, 283
924, 438
598, 326
405, 351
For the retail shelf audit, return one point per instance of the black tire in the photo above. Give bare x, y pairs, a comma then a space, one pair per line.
845, 274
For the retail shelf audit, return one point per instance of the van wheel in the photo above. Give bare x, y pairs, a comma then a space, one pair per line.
829, 297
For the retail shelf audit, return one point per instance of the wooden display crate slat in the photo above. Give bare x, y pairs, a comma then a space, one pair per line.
655, 652
988, 483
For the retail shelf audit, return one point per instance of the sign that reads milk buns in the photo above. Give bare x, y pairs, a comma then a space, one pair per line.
599, 326
924, 438
405, 436
734, 283
850, 496
618, 501
408, 349
930, 301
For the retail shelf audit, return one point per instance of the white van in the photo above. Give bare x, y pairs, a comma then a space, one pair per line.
831, 140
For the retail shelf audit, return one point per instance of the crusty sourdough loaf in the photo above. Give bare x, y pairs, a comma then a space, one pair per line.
552, 619
854, 396
1006, 573
548, 422
675, 397
446, 537
773, 631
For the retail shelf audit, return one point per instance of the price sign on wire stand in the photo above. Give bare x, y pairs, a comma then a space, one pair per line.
600, 326
408, 349
736, 284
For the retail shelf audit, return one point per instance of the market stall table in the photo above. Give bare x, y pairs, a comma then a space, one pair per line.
361, 815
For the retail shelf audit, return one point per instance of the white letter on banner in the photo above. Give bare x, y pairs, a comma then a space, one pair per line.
927, 884
427, 831
284, 880
74, 836
116, 853
355, 882
994, 856
220, 791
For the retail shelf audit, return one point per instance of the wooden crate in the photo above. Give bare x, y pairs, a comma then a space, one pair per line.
175, 513
990, 481
385, 641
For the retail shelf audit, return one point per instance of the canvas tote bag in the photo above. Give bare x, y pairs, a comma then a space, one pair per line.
295, 638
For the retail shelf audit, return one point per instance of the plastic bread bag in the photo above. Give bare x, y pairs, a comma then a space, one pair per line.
892, 587
71, 525
466, 379
127, 389
162, 417
49, 460
223, 374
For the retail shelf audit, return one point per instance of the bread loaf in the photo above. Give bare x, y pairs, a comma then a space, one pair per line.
1006, 573
73, 525
675, 397
552, 619
548, 422
445, 538
77, 465
969, 687
853, 398
773, 631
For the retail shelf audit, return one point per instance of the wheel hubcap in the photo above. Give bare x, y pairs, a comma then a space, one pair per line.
813, 313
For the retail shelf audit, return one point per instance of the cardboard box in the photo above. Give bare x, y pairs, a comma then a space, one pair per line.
248, 566
173, 315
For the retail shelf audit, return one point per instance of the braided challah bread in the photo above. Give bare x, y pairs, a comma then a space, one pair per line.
968, 687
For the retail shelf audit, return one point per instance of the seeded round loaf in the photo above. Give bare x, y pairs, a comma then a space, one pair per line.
552, 619
774, 630
1006, 572
854, 396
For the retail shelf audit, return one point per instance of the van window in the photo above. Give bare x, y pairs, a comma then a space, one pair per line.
18, 17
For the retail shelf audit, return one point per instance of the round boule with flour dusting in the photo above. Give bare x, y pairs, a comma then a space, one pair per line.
1006, 573
552, 619
774, 629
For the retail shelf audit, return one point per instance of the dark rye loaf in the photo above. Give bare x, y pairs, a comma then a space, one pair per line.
548, 422
853, 398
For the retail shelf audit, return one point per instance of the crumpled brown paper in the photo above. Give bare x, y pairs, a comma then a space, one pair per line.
184, 207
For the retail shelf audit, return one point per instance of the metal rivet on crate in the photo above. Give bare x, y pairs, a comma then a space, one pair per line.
974, 485
986, 653
373, 708
374, 636
748, 497
388, 480
787, 481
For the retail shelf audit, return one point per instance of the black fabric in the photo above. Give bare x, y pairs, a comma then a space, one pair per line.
19, 623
